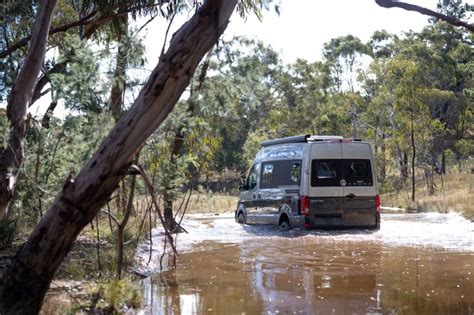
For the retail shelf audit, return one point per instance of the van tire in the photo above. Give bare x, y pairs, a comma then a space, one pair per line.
377, 223
241, 218
284, 224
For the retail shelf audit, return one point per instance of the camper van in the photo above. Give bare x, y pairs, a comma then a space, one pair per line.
311, 182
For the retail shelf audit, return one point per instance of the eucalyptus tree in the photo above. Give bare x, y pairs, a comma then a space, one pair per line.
18, 100
27, 278
75, 70
344, 54
240, 89
306, 95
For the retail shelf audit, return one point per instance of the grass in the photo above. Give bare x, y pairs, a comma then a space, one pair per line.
210, 203
454, 193
99, 291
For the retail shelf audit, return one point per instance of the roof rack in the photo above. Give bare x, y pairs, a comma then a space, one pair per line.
301, 139
306, 139
324, 138
294, 139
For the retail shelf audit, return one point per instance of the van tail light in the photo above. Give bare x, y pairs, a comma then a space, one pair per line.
304, 205
377, 203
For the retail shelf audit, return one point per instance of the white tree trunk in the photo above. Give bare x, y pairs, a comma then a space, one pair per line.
11, 157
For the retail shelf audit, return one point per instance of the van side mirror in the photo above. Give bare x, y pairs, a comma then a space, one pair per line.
242, 185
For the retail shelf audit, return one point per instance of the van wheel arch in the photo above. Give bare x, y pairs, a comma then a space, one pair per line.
241, 218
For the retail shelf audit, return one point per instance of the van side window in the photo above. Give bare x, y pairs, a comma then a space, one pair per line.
358, 172
325, 173
267, 174
295, 172
280, 173
251, 182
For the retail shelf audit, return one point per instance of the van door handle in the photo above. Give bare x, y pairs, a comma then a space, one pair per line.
351, 195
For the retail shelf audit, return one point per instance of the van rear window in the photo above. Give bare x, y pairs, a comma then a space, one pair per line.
357, 173
325, 173
329, 173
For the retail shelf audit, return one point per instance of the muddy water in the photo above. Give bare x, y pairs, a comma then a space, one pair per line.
421, 264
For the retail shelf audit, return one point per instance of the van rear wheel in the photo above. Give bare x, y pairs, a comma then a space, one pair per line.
241, 218
284, 225
377, 223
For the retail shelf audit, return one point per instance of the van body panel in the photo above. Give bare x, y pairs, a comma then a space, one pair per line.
324, 151
248, 198
269, 204
360, 211
327, 198
359, 193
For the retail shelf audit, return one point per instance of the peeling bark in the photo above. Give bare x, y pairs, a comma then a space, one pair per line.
28, 275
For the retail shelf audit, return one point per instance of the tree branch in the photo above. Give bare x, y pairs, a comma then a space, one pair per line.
85, 21
11, 158
152, 192
425, 11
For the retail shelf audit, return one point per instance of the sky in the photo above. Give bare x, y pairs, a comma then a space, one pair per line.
299, 31
303, 26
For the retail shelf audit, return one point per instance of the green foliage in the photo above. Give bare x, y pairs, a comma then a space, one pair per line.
51, 156
252, 145
79, 85
8, 229
16, 19
113, 296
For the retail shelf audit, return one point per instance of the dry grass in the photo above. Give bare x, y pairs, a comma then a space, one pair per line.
210, 203
455, 193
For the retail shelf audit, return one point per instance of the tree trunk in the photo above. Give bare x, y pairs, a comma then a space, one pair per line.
48, 114
20, 96
429, 176
443, 162
405, 166
28, 275
176, 150
383, 164
118, 82
413, 156
121, 227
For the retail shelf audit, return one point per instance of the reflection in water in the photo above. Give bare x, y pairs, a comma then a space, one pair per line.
252, 270
318, 277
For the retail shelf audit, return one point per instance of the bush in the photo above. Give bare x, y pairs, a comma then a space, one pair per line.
7, 232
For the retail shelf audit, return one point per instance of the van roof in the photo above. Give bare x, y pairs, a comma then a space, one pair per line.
305, 139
